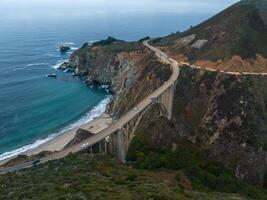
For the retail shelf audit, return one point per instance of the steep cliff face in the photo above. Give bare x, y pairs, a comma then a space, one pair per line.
131, 70
222, 114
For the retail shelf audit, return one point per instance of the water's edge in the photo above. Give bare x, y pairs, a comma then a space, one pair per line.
96, 111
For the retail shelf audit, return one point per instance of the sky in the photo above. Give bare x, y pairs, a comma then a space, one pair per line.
179, 6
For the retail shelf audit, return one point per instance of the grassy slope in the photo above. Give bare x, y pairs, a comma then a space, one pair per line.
202, 174
80, 176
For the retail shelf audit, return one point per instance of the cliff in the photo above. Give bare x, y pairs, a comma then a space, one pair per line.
131, 70
222, 115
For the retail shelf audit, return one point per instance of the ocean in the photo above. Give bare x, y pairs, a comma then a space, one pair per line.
35, 108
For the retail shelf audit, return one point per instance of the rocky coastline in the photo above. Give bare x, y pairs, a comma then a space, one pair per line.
127, 70
131, 72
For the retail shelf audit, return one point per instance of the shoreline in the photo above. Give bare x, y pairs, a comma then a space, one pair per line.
96, 125
94, 121
96, 117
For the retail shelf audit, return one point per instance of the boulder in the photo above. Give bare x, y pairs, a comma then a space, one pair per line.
64, 66
64, 48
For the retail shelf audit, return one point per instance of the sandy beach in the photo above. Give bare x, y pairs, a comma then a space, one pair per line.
59, 142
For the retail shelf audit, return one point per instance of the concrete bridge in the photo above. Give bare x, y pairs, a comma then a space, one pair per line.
116, 138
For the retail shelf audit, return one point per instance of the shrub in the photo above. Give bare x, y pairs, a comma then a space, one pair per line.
132, 177
203, 174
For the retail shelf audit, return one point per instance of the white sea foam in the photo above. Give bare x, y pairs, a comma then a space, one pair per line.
68, 43
54, 55
74, 48
36, 64
72, 45
94, 112
56, 66
18, 68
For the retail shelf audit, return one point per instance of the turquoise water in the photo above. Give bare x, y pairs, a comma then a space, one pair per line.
34, 107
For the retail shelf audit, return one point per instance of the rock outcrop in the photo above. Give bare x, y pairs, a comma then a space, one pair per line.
64, 48
223, 115
131, 70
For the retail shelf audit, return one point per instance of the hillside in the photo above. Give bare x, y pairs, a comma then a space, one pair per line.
219, 114
233, 40
81, 176
215, 145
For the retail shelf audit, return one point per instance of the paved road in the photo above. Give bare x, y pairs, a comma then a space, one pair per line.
217, 70
116, 125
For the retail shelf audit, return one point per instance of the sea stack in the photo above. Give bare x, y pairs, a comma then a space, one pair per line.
64, 48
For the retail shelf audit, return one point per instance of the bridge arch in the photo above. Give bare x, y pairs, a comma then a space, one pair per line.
161, 109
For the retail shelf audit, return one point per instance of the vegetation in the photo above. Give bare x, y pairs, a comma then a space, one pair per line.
203, 174
144, 39
121, 47
108, 41
85, 45
81, 176
239, 30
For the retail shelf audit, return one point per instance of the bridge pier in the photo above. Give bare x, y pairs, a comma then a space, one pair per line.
170, 101
119, 145
100, 147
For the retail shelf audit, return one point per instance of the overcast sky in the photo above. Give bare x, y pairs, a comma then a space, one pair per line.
107, 5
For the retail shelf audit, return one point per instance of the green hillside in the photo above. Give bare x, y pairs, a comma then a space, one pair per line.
239, 30
81, 176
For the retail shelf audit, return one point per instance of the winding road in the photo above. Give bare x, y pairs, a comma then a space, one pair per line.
115, 125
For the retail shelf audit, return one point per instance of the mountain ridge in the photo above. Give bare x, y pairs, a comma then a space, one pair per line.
233, 40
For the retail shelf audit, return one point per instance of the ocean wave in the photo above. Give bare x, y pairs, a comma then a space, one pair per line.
36, 64
26, 66
89, 116
53, 55
68, 43
74, 48
23, 149
17, 69
92, 41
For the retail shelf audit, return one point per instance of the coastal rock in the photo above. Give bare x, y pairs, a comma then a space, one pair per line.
64, 66
64, 48
199, 44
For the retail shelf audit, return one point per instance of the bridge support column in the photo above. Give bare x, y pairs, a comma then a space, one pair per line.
100, 147
105, 147
119, 145
91, 150
170, 101
110, 144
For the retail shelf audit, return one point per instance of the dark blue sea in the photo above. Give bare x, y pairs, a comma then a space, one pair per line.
34, 108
